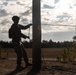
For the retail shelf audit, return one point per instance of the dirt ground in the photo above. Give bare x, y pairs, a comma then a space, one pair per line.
49, 67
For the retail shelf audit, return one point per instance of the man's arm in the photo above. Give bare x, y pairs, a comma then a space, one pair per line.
24, 36
25, 27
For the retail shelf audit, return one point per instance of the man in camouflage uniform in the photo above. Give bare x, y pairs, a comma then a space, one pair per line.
15, 34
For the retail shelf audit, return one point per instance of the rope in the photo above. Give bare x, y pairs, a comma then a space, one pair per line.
29, 33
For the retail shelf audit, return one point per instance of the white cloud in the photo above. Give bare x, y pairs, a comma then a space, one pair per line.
3, 13
25, 21
59, 36
56, 1
26, 13
45, 6
53, 12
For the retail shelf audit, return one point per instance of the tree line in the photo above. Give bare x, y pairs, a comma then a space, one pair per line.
44, 44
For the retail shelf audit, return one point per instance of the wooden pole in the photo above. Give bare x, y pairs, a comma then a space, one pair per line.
36, 16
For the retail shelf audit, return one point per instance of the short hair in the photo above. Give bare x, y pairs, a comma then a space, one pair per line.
14, 18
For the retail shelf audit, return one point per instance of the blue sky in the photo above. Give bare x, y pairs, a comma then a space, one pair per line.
54, 15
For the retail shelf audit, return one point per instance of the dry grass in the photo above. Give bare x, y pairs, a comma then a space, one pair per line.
47, 52
7, 65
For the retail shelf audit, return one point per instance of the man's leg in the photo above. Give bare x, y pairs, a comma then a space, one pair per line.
24, 53
19, 53
25, 56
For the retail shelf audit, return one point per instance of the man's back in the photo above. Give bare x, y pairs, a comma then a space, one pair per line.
16, 33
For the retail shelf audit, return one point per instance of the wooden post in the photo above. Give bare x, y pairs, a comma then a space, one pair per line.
36, 16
